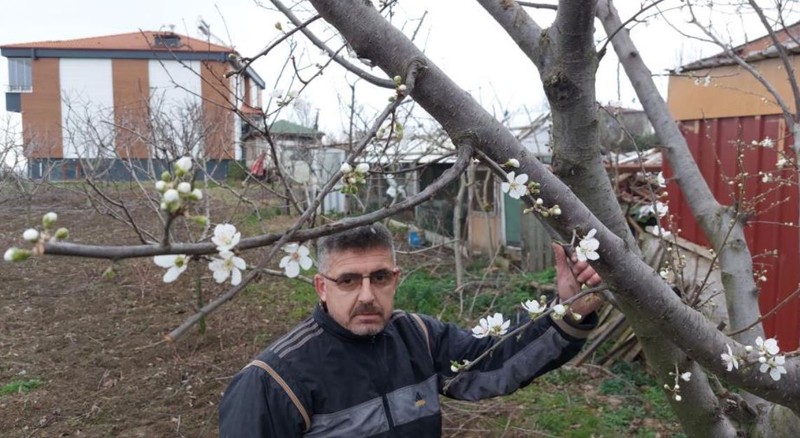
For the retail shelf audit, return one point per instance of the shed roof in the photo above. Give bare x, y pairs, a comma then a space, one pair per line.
760, 48
286, 127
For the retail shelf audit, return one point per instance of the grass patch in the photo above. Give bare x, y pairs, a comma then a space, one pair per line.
19, 386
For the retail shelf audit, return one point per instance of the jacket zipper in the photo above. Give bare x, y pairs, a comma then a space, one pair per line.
382, 372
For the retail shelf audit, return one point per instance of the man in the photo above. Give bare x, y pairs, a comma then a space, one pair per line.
358, 368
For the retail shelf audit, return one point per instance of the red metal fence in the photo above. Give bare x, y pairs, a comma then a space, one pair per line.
716, 145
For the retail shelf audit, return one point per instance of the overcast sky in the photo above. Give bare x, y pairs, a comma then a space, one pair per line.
459, 37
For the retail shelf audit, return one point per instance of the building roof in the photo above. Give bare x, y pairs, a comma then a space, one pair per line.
145, 40
760, 48
145, 44
285, 127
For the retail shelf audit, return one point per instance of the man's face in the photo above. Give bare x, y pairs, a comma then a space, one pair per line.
361, 305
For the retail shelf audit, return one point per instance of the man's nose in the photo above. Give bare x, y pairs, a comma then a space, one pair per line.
365, 293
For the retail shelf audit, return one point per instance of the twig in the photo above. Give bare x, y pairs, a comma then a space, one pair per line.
599, 288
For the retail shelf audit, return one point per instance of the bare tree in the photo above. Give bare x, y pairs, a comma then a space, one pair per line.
676, 337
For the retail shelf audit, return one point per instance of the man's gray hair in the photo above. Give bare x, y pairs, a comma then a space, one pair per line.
361, 238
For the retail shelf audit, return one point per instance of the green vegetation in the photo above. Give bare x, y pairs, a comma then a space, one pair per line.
568, 402
17, 386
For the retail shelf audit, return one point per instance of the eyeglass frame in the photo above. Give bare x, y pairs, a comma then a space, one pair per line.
394, 272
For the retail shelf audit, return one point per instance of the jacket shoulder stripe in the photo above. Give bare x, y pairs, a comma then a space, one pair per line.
299, 343
292, 336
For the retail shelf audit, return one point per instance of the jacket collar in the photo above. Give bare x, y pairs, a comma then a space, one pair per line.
330, 325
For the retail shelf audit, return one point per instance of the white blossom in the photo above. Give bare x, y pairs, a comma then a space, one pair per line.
346, 168
196, 195
31, 235
491, 326
559, 310
362, 168
660, 179
227, 265
533, 307
729, 359
296, 259
686, 376
775, 366
175, 264
660, 209
184, 187
395, 191
587, 248
161, 185
782, 161
768, 347
515, 186
184, 164
225, 237
767, 142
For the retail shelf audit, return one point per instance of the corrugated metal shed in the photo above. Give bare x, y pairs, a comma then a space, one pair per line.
716, 146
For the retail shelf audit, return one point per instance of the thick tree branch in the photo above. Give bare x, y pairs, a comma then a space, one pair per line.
462, 117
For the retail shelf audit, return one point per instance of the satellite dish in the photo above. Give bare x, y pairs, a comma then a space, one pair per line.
301, 172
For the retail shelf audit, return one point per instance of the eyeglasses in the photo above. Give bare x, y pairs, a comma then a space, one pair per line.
349, 282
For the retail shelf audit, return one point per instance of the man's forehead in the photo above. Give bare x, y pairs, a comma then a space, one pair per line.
368, 258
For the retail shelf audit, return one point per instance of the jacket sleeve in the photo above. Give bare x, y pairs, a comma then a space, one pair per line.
542, 346
254, 405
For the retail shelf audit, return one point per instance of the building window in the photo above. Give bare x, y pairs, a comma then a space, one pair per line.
19, 75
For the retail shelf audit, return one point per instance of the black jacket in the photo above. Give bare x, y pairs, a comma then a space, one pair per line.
321, 380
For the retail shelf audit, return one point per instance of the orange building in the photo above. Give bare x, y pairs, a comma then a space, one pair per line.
116, 105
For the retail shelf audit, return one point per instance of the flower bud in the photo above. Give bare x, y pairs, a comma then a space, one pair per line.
49, 219
62, 233
183, 165
171, 196
161, 186
402, 88
512, 162
748, 348
346, 168
362, 168
201, 220
184, 187
31, 235
678, 397
166, 176
16, 254
556, 211
397, 79
196, 195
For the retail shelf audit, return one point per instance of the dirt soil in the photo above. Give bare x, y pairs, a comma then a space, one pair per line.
96, 344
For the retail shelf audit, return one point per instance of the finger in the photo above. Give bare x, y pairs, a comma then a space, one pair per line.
561, 258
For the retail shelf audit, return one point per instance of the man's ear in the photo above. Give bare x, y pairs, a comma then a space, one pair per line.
319, 286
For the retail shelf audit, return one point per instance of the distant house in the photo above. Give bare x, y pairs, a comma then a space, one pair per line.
731, 123
116, 104
304, 161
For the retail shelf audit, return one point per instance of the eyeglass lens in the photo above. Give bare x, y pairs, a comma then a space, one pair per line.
351, 281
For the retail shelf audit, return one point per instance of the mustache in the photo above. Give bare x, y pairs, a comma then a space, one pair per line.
367, 309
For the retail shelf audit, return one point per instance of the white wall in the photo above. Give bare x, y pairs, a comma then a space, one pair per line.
175, 89
87, 107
